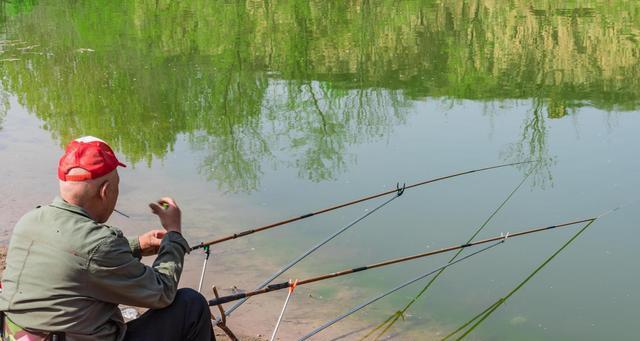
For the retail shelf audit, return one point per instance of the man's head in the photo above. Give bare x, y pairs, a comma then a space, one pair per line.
88, 177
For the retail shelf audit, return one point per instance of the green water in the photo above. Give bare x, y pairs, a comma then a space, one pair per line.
249, 112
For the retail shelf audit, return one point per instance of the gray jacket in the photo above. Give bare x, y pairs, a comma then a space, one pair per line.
66, 272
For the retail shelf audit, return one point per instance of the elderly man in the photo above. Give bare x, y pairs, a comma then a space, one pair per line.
67, 271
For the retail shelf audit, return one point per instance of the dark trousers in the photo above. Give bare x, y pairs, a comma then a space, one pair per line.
187, 318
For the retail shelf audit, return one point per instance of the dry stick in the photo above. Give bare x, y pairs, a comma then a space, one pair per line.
284, 285
389, 322
484, 315
370, 197
222, 324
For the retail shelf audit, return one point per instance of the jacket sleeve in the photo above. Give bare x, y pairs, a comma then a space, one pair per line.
117, 276
134, 245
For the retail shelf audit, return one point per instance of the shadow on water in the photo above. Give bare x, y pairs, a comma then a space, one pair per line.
242, 81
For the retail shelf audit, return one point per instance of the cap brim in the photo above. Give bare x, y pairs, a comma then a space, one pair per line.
122, 164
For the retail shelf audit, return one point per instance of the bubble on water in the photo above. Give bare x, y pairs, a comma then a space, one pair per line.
518, 320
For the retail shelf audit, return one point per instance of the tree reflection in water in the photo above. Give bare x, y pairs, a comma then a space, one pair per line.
242, 80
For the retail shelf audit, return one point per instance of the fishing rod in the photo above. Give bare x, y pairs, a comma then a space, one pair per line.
395, 317
482, 316
403, 285
487, 312
292, 263
353, 202
284, 285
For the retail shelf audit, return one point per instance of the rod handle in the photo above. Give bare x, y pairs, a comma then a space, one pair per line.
226, 299
268, 288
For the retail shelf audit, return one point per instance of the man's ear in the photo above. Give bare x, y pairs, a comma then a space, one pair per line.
104, 190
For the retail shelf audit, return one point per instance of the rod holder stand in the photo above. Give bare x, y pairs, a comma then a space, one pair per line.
222, 324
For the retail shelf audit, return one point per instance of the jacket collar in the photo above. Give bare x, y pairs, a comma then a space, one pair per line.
60, 203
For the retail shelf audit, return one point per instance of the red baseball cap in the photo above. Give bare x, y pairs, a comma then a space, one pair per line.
91, 154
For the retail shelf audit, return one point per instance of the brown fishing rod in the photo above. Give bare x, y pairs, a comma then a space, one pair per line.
328, 209
284, 285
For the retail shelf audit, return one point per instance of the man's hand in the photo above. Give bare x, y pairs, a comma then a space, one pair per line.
150, 242
169, 213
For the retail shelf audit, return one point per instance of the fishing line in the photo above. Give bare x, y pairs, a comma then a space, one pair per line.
361, 306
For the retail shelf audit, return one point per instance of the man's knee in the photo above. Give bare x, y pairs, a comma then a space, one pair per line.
191, 298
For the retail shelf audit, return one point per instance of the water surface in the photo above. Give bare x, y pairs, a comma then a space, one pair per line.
249, 112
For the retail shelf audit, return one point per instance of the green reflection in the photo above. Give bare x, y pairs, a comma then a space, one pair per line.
532, 145
242, 80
